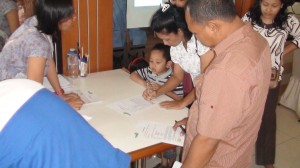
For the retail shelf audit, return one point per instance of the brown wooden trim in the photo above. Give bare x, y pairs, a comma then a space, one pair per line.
149, 151
243, 6
106, 34
104, 59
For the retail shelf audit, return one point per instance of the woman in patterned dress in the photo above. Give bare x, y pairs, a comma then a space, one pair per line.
270, 19
28, 51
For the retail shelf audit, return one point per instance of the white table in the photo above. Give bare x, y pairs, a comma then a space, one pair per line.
118, 129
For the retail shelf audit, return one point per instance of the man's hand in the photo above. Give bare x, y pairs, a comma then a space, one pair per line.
182, 122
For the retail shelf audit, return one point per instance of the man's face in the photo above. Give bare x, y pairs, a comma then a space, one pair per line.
202, 31
178, 3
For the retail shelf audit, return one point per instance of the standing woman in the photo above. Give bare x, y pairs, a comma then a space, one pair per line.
9, 20
28, 51
270, 19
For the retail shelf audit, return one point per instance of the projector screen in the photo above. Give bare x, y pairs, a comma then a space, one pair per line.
139, 12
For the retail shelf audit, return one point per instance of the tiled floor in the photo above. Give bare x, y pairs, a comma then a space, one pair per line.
288, 141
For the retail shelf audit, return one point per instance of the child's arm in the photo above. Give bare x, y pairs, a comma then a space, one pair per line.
156, 86
138, 79
125, 70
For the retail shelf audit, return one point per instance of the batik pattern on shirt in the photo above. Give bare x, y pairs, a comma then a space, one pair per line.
277, 37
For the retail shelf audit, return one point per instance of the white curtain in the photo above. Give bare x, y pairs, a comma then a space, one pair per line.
291, 96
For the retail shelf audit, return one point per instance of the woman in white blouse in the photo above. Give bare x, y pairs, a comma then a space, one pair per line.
169, 25
269, 18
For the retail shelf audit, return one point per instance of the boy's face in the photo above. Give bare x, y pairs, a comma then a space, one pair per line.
158, 64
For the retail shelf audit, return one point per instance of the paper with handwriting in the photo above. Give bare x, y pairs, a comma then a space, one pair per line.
132, 105
161, 132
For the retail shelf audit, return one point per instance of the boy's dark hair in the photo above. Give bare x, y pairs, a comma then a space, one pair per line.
50, 12
137, 63
280, 19
164, 48
169, 21
202, 11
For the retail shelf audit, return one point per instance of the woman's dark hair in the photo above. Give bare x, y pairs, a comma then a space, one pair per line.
280, 19
137, 63
50, 12
169, 21
163, 48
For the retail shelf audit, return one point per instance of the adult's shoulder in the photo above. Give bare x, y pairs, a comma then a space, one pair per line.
7, 5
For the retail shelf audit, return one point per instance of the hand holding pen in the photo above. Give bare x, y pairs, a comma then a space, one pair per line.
180, 125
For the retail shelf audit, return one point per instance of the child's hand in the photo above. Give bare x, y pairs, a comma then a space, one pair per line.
149, 94
155, 86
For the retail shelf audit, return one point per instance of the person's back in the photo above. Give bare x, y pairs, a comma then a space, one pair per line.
41, 130
232, 91
8, 19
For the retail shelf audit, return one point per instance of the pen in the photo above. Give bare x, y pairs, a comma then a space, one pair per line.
181, 127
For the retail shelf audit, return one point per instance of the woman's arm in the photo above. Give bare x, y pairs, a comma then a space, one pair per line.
289, 48
173, 96
52, 76
181, 103
12, 18
35, 68
73, 99
293, 30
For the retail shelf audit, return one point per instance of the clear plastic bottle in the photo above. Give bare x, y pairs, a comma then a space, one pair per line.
73, 63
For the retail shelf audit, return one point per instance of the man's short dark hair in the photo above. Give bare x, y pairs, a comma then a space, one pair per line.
50, 12
202, 11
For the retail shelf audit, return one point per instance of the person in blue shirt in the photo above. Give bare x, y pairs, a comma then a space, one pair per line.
38, 129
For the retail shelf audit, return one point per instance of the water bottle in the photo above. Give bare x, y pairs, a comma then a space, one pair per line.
73, 63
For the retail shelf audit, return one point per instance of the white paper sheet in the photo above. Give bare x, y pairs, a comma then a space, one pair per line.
64, 83
87, 118
160, 132
88, 96
177, 164
133, 105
